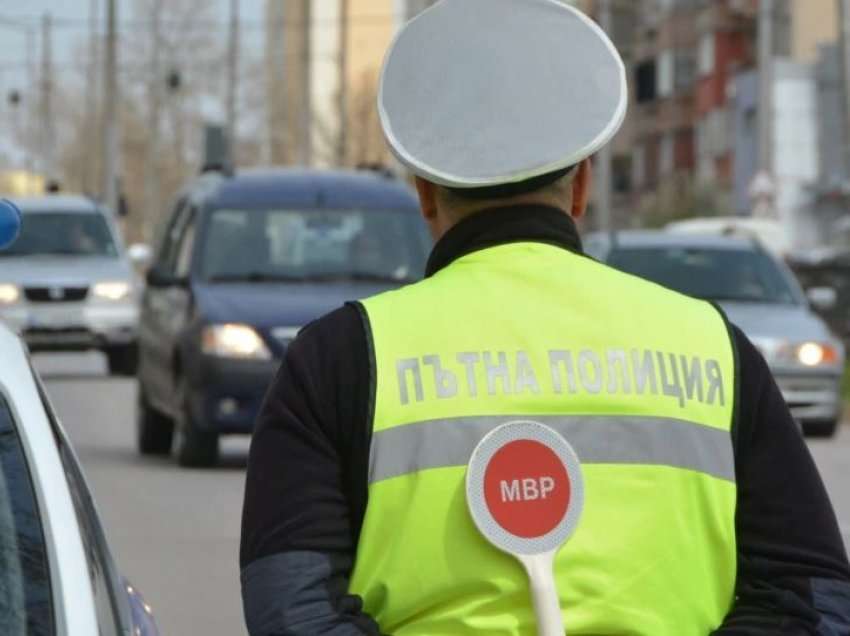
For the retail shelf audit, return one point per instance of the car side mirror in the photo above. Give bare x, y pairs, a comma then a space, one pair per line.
822, 298
139, 254
156, 277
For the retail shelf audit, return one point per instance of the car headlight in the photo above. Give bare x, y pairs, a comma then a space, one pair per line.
9, 294
112, 290
815, 354
234, 341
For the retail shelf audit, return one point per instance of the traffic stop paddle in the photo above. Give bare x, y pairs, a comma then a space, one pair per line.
525, 493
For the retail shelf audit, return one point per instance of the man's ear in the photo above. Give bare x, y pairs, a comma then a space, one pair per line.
427, 199
582, 189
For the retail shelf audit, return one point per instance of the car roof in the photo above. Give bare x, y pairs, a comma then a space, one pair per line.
71, 203
636, 239
300, 187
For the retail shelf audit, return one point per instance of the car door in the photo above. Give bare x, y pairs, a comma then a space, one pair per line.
164, 307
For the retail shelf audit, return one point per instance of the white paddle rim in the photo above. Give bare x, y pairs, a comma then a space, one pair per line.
475, 475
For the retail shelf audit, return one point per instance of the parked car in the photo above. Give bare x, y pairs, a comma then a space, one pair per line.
759, 294
57, 575
244, 262
66, 284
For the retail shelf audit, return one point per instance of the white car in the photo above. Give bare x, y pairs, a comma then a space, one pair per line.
57, 575
68, 284
770, 233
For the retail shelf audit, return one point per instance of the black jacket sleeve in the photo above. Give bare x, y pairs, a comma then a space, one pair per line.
793, 576
305, 490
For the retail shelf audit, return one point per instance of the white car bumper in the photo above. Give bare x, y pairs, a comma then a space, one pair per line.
74, 325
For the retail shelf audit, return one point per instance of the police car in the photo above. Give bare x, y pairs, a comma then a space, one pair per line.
57, 574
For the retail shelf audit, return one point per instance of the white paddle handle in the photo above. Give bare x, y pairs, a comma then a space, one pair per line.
544, 593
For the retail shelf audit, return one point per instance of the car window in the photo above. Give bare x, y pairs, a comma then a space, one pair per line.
63, 234
711, 274
25, 594
309, 244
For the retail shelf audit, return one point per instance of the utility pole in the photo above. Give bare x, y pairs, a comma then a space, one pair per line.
232, 80
762, 189
46, 136
156, 82
844, 13
765, 62
90, 169
110, 111
342, 147
604, 156
29, 121
306, 124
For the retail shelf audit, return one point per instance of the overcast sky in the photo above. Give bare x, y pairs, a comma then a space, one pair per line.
71, 29
70, 35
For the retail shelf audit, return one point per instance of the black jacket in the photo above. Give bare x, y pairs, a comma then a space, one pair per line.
306, 488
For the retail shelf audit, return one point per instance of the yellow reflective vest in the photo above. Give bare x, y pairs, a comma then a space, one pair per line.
641, 382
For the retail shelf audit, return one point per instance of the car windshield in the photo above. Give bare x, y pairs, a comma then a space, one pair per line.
311, 245
711, 274
63, 233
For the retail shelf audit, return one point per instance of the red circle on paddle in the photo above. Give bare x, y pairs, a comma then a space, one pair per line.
527, 488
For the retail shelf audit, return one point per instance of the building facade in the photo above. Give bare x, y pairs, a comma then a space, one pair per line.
323, 59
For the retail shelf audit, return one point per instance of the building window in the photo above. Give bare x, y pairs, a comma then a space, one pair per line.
622, 173
665, 74
645, 82
684, 72
706, 54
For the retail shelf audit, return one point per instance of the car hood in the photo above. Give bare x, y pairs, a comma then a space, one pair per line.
269, 305
762, 321
69, 271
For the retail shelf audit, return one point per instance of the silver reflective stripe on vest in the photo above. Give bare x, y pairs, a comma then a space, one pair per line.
597, 439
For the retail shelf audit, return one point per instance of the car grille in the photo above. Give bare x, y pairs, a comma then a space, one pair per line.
55, 294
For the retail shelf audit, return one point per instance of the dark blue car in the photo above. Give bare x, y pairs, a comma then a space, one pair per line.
243, 263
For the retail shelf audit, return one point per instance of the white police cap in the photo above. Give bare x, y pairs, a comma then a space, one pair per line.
482, 93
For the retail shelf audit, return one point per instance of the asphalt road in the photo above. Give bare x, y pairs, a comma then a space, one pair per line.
175, 532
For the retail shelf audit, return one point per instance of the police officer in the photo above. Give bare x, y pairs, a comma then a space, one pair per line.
704, 512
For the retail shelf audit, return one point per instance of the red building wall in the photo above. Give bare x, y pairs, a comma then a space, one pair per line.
731, 49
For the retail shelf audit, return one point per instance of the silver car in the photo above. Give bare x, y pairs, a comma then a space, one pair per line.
759, 295
66, 284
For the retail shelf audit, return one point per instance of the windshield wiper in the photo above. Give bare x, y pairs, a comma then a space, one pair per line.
748, 299
361, 276
256, 277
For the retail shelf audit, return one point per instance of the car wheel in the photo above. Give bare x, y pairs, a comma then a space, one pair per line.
195, 448
123, 360
820, 428
154, 431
